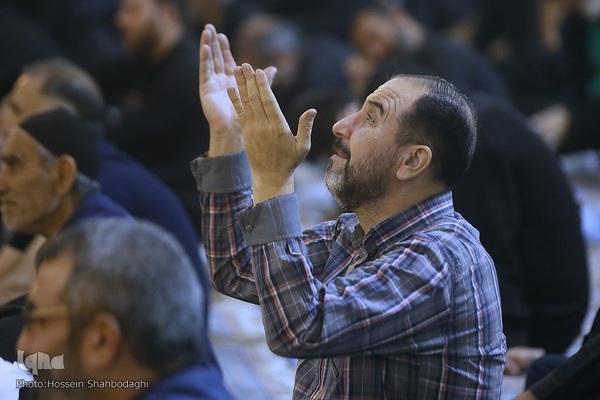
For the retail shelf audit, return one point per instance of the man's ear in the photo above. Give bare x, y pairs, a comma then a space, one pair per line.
414, 159
64, 173
101, 343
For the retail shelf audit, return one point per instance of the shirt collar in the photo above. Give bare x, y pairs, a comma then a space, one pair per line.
403, 224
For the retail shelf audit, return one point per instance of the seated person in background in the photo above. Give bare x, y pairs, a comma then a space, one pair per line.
155, 91
396, 298
382, 34
118, 299
51, 83
47, 171
577, 378
305, 60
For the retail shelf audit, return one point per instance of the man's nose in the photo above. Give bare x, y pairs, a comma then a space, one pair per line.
342, 128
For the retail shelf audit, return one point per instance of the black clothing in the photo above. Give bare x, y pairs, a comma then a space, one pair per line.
517, 196
459, 64
579, 376
167, 130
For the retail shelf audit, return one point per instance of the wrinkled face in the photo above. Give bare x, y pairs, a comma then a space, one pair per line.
373, 35
28, 197
137, 21
46, 330
24, 100
366, 159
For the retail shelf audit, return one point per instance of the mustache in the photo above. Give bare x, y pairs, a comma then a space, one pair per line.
341, 149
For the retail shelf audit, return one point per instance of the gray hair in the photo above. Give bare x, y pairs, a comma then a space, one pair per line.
67, 82
140, 274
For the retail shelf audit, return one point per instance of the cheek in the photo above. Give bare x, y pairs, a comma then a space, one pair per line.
361, 148
33, 202
48, 339
41, 192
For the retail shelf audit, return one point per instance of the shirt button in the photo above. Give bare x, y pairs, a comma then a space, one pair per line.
249, 228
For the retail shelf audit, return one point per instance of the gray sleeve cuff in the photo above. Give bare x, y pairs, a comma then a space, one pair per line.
271, 220
224, 174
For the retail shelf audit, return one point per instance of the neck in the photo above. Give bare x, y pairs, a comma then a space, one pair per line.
394, 202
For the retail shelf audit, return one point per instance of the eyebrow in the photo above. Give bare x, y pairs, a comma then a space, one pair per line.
10, 158
376, 104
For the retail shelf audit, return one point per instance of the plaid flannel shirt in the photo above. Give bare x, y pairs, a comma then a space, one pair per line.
409, 310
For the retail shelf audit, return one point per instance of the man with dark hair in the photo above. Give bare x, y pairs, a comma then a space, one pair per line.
522, 203
155, 91
117, 299
397, 298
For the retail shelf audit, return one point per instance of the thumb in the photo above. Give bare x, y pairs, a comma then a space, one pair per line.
305, 125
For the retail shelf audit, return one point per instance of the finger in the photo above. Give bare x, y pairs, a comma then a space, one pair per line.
269, 103
253, 101
206, 63
215, 46
242, 90
228, 60
305, 126
234, 96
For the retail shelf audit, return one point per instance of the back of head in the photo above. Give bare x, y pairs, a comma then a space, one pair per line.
139, 273
71, 85
445, 120
266, 40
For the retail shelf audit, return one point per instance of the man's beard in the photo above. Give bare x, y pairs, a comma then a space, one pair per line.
147, 40
359, 183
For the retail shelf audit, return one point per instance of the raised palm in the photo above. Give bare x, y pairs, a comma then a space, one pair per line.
216, 74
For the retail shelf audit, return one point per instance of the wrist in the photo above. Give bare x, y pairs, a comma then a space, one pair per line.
225, 141
265, 188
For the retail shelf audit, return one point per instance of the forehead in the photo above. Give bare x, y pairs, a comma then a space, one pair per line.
27, 97
395, 95
136, 5
19, 142
50, 280
368, 20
